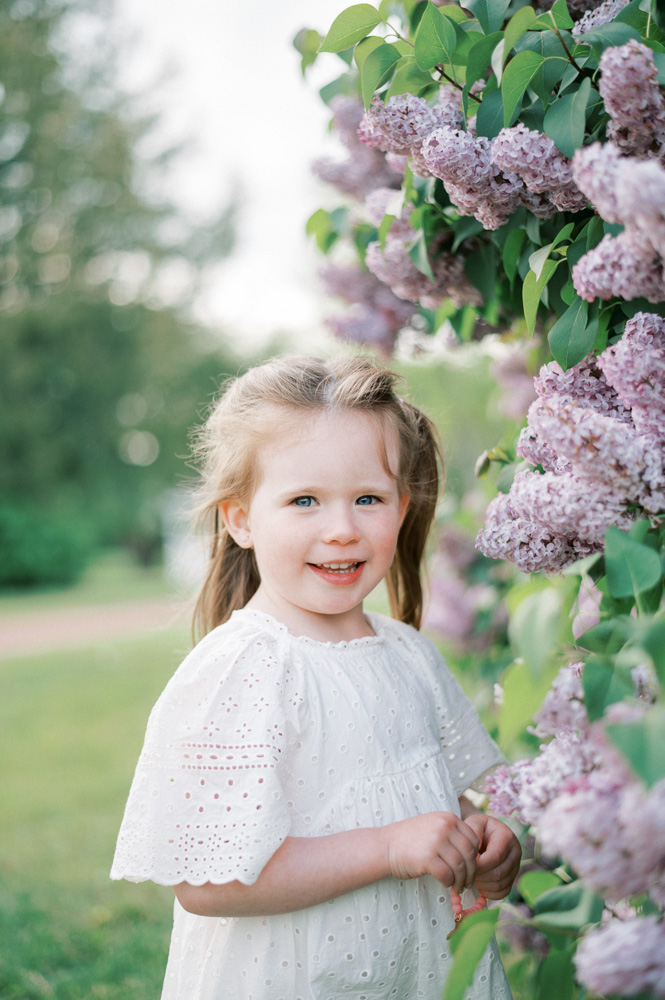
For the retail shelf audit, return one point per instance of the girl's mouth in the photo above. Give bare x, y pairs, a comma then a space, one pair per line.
338, 572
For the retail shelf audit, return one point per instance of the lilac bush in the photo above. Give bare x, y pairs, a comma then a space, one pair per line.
505, 172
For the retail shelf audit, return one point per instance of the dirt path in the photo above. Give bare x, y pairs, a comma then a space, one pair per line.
25, 633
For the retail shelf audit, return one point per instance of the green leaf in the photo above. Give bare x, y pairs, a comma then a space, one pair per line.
532, 290
565, 119
350, 27
480, 269
376, 69
653, 643
556, 975
643, 744
408, 79
558, 14
518, 24
570, 338
435, 39
326, 227
489, 13
420, 257
523, 694
607, 35
468, 943
307, 43
608, 636
568, 907
517, 76
489, 118
630, 566
534, 884
363, 49
480, 56
534, 627
511, 253
555, 63
604, 684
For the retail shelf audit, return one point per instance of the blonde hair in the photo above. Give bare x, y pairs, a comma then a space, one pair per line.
247, 414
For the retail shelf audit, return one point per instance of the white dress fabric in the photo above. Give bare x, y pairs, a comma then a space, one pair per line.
260, 735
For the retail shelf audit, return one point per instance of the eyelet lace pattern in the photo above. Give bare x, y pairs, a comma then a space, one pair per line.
260, 735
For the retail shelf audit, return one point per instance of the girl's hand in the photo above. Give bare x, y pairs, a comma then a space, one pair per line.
439, 844
499, 857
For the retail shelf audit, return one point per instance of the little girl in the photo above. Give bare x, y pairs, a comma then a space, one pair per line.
301, 784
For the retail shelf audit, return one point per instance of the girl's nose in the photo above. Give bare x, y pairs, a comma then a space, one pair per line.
340, 527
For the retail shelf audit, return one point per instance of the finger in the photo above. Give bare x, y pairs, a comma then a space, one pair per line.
460, 856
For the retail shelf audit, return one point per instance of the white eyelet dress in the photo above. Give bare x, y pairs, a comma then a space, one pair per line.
260, 735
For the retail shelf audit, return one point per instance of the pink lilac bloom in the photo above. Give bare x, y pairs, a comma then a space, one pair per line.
533, 156
538, 452
363, 169
475, 186
585, 383
641, 200
596, 170
362, 325
597, 16
378, 315
623, 266
624, 957
601, 450
576, 509
394, 267
635, 365
629, 87
587, 613
563, 708
566, 759
504, 786
530, 545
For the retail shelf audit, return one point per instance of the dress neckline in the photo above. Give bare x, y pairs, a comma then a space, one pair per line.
275, 626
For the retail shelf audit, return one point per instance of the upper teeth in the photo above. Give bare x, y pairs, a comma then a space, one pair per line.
344, 565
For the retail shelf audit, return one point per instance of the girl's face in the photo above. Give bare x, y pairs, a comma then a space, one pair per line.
323, 522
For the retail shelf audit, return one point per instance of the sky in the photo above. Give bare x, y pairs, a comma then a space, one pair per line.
231, 86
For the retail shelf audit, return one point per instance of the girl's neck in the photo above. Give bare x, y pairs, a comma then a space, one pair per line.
324, 628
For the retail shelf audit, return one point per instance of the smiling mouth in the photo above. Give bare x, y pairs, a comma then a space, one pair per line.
341, 568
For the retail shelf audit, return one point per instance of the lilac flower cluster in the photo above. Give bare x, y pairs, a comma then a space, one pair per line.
583, 798
597, 432
363, 169
392, 265
624, 958
526, 168
533, 156
629, 191
632, 97
594, 17
377, 315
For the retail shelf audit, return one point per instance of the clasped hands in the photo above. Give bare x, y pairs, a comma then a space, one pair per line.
480, 851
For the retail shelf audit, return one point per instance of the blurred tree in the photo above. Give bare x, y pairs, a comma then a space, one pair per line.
102, 366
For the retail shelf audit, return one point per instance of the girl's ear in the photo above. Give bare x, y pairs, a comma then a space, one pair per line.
234, 516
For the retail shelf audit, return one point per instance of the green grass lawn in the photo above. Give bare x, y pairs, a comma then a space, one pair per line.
71, 727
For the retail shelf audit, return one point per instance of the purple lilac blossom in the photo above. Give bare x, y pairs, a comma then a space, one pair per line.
594, 17
533, 156
596, 170
624, 957
574, 508
623, 266
563, 708
629, 87
585, 384
363, 169
530, 545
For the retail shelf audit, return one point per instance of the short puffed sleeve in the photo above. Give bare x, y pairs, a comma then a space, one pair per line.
207, 803
469, 750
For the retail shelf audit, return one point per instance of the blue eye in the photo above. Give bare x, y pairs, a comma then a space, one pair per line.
303, 502
367, 501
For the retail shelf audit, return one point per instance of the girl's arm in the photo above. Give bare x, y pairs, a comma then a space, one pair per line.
305, 871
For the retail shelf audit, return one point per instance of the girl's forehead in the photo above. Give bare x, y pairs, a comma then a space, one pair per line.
329, 432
